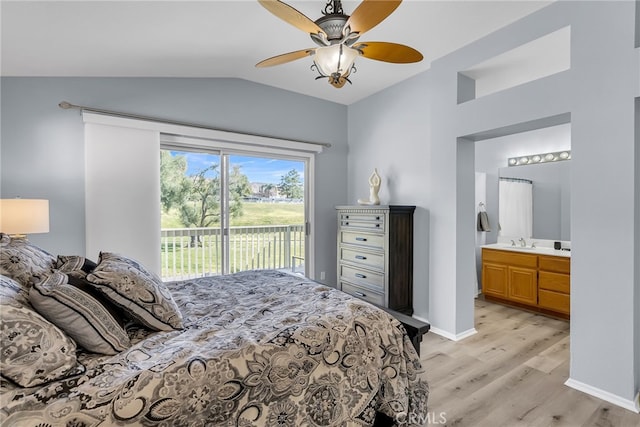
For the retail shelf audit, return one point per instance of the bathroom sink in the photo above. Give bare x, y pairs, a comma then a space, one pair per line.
537, 250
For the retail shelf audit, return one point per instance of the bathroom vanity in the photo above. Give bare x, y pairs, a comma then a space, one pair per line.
534, 278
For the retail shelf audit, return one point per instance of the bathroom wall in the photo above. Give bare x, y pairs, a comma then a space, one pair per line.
491, 155
551, 197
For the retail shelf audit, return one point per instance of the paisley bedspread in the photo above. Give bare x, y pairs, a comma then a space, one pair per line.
259, 348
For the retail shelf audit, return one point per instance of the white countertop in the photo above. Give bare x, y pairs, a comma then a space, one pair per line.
529, 250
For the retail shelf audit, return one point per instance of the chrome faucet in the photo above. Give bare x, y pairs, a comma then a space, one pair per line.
523, 243
513, 243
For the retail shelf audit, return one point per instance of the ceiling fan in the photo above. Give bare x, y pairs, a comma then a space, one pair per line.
337, 36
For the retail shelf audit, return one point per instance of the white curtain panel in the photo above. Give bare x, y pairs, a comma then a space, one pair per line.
122, 193
515, 210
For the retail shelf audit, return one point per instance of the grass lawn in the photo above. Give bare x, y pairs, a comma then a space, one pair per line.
250, 252
252, 214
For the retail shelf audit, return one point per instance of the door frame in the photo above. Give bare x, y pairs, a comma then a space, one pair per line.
225, 149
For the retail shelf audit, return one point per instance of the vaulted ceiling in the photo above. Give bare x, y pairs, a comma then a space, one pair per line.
227, 39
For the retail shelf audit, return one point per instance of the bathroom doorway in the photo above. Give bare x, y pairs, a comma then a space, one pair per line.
551, 183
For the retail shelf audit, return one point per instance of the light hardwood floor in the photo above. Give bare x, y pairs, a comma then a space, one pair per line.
511, 373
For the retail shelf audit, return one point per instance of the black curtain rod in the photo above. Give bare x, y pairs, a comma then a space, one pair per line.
68, 106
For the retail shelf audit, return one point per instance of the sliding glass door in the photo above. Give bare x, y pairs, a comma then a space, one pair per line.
224, 212
191, 216
266, 213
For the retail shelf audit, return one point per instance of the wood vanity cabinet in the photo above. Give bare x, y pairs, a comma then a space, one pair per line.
540, 282
554, 283
375, 254
510, 275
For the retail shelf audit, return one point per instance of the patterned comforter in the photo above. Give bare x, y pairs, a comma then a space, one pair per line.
259, 348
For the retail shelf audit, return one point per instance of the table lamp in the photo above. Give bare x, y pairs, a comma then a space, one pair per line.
19, 217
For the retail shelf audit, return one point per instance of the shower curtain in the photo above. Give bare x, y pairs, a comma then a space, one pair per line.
515, 208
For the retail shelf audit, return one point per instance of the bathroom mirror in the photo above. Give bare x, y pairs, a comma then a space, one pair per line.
551, 195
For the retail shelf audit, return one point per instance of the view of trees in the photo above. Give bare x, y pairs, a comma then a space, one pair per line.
196, 197
290, 185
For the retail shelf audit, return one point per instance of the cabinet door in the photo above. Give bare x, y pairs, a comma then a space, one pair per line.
494, 279
555, 301
523, 285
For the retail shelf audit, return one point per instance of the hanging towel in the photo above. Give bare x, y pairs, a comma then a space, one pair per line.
483, 221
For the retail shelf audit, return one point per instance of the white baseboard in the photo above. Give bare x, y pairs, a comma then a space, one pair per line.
422, 319
632, 405
448, 335
453, 337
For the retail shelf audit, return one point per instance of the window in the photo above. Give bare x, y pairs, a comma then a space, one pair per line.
224, 212
123, 194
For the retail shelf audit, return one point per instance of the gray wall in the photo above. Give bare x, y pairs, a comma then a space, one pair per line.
597, 95
604, 113
551, 197
637, 181
492, 154
388, 131
43, 155
637, 245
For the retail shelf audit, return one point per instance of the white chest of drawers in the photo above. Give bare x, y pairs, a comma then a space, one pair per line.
375, 254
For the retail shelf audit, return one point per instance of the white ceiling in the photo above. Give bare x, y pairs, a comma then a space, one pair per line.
227, 38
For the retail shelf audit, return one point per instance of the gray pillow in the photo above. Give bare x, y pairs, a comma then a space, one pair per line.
75, 265
24, 262
137, 290
81, 315
12, 291
34, 351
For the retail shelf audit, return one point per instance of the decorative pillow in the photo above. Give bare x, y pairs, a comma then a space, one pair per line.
83, 317
10, 290
24, 262
74, 265
142, 293
34, 351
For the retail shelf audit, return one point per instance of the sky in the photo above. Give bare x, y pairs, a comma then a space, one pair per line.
257, 169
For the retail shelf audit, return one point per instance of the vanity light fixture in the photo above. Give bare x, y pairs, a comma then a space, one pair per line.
540, 158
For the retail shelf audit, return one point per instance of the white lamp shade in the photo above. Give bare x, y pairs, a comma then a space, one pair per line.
24, 216
335, 58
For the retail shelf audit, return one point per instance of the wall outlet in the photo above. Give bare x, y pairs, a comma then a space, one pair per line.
322, 275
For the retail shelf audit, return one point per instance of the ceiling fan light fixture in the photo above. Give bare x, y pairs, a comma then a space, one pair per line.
336, 35
335, 62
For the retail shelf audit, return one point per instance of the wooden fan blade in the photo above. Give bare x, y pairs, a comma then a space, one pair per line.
389, 52
370, 13
284, 58
291, 15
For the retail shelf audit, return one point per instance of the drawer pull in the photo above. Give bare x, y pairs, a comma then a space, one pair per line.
361, 239
359, 294
346, 216
378, 225
360, 276
360, 257
377, 218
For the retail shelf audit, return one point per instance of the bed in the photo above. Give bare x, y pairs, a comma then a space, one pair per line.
255, 348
